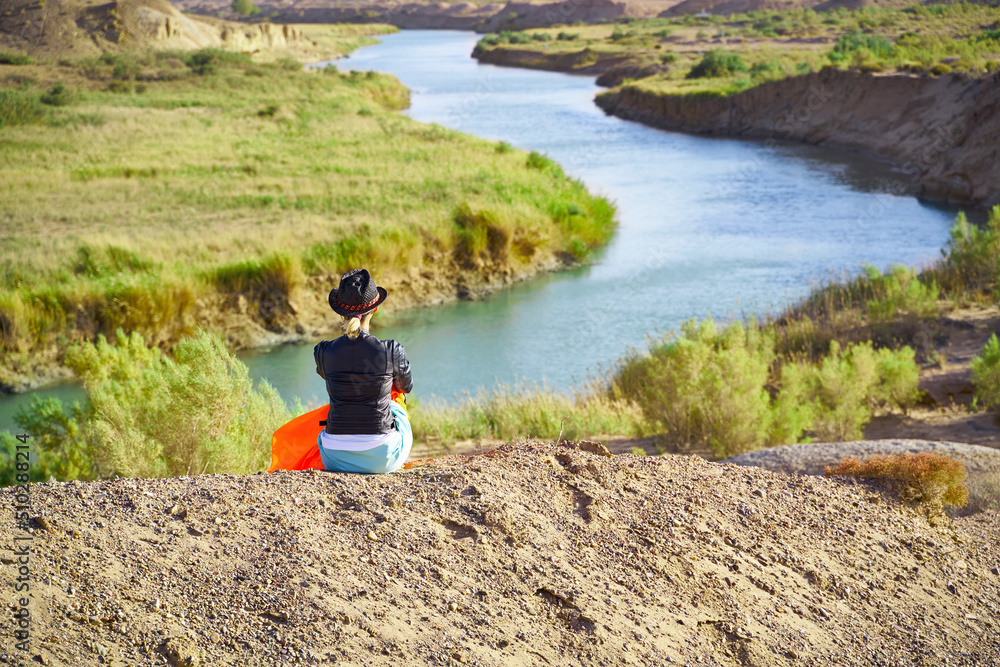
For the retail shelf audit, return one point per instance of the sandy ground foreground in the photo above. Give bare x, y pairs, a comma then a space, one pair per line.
532, 554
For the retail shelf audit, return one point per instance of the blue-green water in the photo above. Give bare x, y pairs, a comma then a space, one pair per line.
707, 226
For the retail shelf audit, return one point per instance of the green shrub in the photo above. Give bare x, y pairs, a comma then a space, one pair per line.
970, 259
940, 69
854, 40
541, 162
767, 70
245, 7
541, 37
718, 63
125, 69
986, 373
514, 37
930, 479
12, 58
568, 36
900, 292
668, 58
835, 398
156, 416
19, 107
59, 443
706, 387
57, 96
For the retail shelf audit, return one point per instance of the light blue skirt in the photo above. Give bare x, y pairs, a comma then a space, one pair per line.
387, 457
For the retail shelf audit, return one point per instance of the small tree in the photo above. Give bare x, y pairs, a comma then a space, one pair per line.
245, 7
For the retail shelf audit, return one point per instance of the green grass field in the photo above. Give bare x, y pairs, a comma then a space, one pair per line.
132, 186
722, 55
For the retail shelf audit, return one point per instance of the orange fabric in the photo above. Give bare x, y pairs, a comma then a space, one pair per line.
294, 447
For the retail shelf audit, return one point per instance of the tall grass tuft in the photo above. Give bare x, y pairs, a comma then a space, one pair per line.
507, 413
481, 234
19, 107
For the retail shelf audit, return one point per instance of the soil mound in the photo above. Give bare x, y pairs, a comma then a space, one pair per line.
531, 554
75, 28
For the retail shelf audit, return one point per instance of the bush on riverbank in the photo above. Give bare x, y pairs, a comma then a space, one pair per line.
986, 374
728, 389
153, 415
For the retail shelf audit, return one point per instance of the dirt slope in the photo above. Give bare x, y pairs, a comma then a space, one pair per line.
532, 554
76, 28
943, 132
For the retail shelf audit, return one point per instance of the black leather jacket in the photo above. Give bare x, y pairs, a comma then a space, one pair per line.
360, 375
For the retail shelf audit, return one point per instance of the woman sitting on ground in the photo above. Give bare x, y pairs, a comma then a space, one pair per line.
367, 428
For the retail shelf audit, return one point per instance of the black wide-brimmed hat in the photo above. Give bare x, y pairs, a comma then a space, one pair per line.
357, 294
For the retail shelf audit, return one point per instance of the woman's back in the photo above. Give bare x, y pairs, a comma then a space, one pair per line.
360, 375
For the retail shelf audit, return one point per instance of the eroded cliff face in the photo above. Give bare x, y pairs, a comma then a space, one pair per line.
478, 16
406, 15
943, 132
73, 28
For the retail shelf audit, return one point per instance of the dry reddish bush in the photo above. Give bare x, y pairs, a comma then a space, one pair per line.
924, 478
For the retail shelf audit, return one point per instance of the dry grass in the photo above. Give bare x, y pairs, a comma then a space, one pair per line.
929, 479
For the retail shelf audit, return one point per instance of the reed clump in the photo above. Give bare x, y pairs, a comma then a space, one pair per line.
538, 412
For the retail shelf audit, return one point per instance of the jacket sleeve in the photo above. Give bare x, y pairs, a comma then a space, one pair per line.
318, 356
402, 380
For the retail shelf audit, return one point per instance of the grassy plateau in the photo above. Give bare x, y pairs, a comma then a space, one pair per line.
721, 55
137, 188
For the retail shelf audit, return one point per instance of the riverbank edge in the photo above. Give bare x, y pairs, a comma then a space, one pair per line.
306, 311
940, 132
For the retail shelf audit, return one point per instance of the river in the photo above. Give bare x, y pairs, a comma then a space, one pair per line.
707, 226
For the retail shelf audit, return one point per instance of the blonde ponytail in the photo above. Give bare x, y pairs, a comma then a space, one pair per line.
351, 326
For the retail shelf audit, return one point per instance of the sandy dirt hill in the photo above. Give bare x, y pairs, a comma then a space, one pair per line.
75, 28
531, 554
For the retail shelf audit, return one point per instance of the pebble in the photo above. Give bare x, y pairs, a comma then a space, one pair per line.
372, 536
